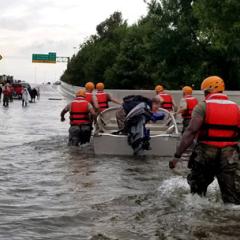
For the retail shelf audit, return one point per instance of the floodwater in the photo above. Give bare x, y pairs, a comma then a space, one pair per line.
52, 191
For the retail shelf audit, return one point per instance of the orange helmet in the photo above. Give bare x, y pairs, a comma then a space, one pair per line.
213, 84
100, 86
159, 88
187, 90
81, 93
89, 86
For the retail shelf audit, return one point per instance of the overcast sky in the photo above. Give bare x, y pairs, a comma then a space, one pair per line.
30, 26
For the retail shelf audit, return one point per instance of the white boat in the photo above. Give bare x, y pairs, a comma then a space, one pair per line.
164, 136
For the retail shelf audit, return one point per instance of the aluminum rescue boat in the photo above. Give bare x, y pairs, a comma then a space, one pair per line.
164, 136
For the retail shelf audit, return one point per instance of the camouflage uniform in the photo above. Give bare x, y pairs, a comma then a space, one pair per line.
79, 134
185, 124
186, 121
208, 162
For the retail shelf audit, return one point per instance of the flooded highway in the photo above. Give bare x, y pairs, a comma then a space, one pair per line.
52, 191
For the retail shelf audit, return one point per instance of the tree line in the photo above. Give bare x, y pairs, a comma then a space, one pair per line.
178, 42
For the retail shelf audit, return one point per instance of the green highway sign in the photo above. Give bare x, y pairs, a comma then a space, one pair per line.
44, 58
52, 56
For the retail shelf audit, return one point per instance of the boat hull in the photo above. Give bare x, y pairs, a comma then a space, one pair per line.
108, 144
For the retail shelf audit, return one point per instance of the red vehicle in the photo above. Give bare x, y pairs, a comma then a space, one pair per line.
17, 90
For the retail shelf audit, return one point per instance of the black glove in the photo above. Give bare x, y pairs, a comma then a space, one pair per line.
174, 161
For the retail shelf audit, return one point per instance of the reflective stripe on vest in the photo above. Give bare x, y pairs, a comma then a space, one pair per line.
89, 97
191, 103
102, 99
167, 101
222, 121
79, 113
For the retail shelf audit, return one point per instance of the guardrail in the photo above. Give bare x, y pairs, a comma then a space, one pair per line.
70, 90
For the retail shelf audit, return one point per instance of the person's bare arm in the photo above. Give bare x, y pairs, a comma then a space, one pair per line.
181, 110
189, 135
175, 108
182, 107
64, 111
95, 103
93, 114
160, 98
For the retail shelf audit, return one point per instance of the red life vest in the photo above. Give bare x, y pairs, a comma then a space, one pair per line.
222, 122
89, 97
191, 103
79, 113
6, 92
167, 101
102, 99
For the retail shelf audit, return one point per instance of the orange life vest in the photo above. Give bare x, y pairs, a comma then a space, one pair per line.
89, 97
191, 103
167, 101
79, 113
222, 122
102, 99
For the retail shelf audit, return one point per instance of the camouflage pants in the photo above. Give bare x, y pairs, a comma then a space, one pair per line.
185, 124
223, 163
79, 134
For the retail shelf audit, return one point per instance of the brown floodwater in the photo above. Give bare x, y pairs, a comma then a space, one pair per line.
52, 191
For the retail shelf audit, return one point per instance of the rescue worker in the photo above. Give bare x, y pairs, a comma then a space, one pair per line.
11, 93
167, 101
216, 123
187, 104
38, 93
6, 96
25, 97
89, 86
0, 93
81, 112
104, 98
33, 95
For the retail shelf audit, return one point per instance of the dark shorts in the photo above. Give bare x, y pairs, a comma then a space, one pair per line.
208, 162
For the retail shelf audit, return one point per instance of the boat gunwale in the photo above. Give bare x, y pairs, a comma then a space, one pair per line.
152, 136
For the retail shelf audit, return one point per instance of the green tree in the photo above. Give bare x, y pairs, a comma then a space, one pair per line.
179, 42
132, 69
220, 29
176, 53
98, 53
